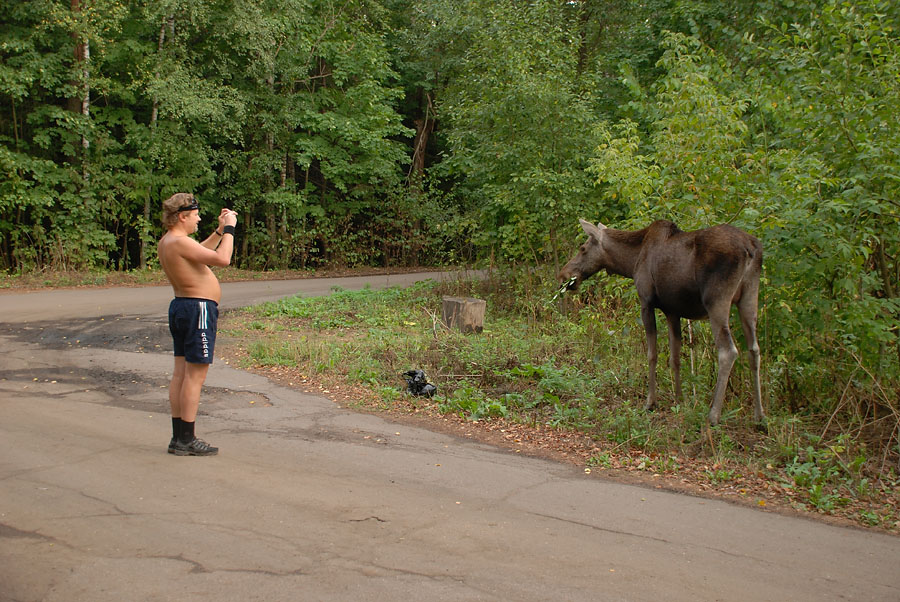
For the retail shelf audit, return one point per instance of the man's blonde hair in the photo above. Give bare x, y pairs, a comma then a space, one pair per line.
171, 205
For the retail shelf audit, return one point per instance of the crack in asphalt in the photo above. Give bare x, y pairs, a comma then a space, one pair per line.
602, 529
651, 538
199, 568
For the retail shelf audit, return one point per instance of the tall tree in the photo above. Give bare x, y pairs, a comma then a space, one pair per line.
519, 121
321, 146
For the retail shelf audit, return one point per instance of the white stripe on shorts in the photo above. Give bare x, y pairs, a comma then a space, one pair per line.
201, 322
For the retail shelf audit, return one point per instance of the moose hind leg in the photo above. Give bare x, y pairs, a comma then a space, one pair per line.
675, 353
748, 323
727, 353
648, 317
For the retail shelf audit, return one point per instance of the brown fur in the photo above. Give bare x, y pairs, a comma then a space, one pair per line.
694, 275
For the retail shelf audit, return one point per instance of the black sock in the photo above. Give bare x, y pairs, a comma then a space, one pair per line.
176, 428
187, 431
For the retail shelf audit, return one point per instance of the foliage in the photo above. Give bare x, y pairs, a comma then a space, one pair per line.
519, 125
803, 157
282, 109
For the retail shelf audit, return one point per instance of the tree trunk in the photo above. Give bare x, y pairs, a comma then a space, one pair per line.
74, 102
283, 235
887, 272
424, 127
86, 97
245, 239
272, 231
154, 116
463, 313
82, 103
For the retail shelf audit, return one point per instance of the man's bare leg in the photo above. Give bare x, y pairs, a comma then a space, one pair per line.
191, 384
175, 387
184, 399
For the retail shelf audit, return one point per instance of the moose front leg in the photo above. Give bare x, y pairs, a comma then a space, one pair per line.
675, 353
648, 317
727, 353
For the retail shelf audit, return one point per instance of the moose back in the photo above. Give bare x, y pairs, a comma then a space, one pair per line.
693, 275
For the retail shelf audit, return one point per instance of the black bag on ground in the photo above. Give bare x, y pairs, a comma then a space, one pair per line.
417, 385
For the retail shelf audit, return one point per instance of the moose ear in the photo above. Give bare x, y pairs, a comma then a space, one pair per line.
592, 230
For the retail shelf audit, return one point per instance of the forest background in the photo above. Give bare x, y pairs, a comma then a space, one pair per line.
441, 132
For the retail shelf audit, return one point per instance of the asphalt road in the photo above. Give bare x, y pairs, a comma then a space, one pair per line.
308, 501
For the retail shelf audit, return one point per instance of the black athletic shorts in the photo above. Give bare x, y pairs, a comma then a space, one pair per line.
192, 323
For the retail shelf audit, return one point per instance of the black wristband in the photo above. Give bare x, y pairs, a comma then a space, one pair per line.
220, 233
228, 230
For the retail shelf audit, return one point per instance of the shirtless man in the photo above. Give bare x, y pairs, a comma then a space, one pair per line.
194, 310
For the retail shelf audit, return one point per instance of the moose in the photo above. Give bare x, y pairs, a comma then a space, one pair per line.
692, 275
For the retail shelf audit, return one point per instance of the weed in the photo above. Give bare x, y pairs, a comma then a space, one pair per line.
267, 353
565, 416
655, 464
603, 460
364, 369
719, 475
332, 322
784, 437
627, 425
870, 518
472, 403
826, 476
389, 396
722, 445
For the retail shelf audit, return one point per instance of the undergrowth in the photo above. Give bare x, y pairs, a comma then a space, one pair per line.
579, 365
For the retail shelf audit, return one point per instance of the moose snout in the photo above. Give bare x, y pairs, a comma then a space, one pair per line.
568, 279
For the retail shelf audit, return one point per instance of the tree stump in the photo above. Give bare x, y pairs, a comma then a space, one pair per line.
466, 314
